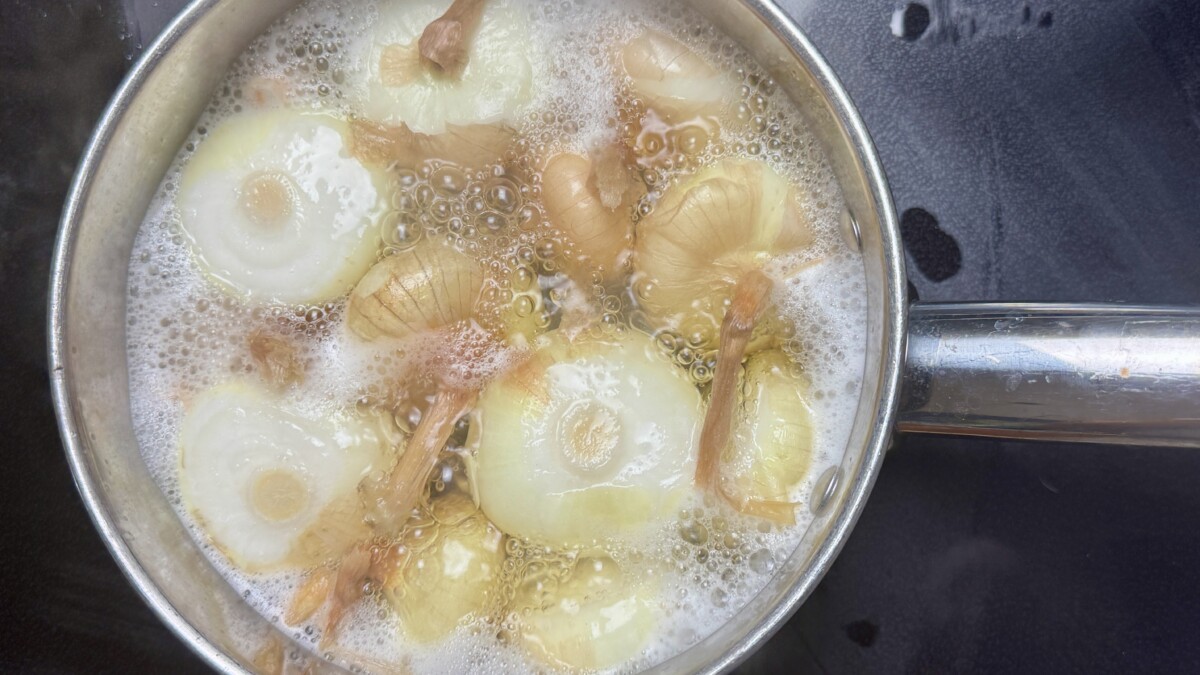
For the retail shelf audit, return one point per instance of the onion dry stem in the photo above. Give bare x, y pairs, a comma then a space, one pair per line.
400, 493
446, 41
405, 485
749, 303
366, 564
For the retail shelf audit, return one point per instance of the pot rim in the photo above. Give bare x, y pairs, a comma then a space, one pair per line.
60, 379
890, 362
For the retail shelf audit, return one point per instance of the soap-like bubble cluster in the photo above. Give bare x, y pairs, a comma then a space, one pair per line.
186, 332
484, 211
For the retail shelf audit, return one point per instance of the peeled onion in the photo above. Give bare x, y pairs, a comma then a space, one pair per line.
586, 442
273, 489
397, 87
275, 208
598, 617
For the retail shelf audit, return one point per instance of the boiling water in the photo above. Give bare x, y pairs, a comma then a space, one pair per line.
186, 335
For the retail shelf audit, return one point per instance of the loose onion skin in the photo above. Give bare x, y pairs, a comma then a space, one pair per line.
427, 287
472, 145
771, 448
276, 358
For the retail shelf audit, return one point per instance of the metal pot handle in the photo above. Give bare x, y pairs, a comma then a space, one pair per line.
1089, 373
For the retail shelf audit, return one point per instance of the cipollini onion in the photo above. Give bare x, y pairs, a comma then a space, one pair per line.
597, 617
433, 286
771, 446
707, 244
398, 83
673, 81
679, 101
705, 234
586, 442
271, 488
589, 199
449, 573
276, 209
427, 287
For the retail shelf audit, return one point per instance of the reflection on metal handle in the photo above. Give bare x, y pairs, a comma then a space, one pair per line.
1092, 373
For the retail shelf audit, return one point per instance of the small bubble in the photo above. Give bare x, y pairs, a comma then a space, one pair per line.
492, 221
449, 180
694, 532
762, 562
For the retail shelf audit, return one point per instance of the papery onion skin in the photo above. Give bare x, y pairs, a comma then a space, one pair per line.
434, 286
472, 145
705, 234
600, 236
269, 659
276, 358
429, 286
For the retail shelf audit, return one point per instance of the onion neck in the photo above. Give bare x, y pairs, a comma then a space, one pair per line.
405, 485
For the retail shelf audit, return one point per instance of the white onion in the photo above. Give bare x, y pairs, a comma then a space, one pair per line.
276, 208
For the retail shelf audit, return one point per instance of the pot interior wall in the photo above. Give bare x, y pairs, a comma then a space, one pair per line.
140, 135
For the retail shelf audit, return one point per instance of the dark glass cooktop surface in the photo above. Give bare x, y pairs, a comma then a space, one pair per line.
1036, 150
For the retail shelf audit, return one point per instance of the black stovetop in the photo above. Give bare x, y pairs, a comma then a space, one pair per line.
1037, 150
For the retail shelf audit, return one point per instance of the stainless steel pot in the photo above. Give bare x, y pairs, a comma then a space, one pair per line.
1092, 373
